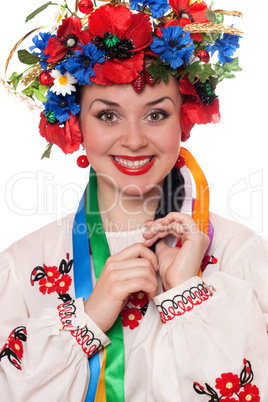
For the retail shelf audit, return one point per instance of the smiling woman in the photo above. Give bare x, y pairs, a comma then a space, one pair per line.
142, 271
147, 130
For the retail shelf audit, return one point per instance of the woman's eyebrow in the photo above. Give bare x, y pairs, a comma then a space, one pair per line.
155, 102
114, 104
107, 102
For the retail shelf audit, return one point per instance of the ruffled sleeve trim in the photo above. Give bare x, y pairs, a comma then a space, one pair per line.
86, 333
180, 300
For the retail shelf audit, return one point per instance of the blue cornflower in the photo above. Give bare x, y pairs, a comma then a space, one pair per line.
158, 7
40, 43
175, 45
226, 46
81, 66
61, 105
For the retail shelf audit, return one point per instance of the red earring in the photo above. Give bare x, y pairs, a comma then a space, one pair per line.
180, 162
82, 161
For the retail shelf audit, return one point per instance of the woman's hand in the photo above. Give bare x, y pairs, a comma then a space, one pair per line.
131, 270
176, 265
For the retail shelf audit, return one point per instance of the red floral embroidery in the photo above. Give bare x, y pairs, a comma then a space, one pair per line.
16, 345
209, 259
13, 348
228, 384
46, 286
139, 299
232, 387
250, 393
63, 284
52, 273
53, 279
131, 317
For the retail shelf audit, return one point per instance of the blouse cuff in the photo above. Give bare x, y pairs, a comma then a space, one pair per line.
183, 298
87, 334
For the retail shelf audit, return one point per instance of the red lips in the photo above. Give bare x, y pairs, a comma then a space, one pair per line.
137, 170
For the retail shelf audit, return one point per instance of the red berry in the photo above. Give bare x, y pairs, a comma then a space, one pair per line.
45, 78
203, 55
82, 161
180, 162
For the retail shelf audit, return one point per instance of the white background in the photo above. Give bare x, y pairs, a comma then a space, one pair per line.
232, 154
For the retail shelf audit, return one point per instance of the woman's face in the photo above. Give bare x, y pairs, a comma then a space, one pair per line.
132, 140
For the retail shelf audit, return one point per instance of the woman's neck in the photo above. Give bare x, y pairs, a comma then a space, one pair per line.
125, 212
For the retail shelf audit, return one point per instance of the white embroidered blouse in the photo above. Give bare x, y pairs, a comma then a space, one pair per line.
204, 339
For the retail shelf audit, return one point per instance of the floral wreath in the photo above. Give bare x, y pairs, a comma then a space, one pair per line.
108, 44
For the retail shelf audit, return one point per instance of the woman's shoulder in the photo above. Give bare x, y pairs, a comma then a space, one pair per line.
226, 230
41, 245
235, 244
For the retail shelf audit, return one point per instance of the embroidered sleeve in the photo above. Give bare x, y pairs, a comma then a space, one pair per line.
82, 328
182, 299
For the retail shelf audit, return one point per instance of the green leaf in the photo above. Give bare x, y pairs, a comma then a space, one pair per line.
29, 91
227, 69
211, 16
202, 70
207, 38
15, 79
37, 11
220, 18
27, 58
43, 89
233, 66
39, 95
47, 152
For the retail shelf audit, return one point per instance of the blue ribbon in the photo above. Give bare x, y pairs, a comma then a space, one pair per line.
83, 282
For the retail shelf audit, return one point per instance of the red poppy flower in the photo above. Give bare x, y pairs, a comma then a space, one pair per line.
131, 317
194, 13
16, 346
69, 34
139, 299
228, 384
85, 6
67, 136
188, 14
227, 399
193, 111
123, 35
63, 284
52, 273
45, 286
250, 393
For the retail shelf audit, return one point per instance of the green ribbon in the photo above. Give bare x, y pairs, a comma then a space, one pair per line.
114, 368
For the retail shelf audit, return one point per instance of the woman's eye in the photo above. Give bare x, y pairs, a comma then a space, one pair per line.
108, 117
156, 116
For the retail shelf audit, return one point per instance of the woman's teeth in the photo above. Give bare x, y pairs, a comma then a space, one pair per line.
132, 164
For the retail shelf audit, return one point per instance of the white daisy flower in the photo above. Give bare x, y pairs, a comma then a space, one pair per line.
63, 84
58, 17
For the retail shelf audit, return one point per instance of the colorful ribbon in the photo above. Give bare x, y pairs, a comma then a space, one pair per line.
88, 221
83, 283
114, 368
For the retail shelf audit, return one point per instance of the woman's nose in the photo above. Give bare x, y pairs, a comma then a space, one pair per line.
134, 137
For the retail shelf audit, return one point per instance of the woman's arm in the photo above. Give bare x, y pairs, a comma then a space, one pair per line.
45, 356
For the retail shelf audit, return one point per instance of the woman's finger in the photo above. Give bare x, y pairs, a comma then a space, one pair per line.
137, 250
